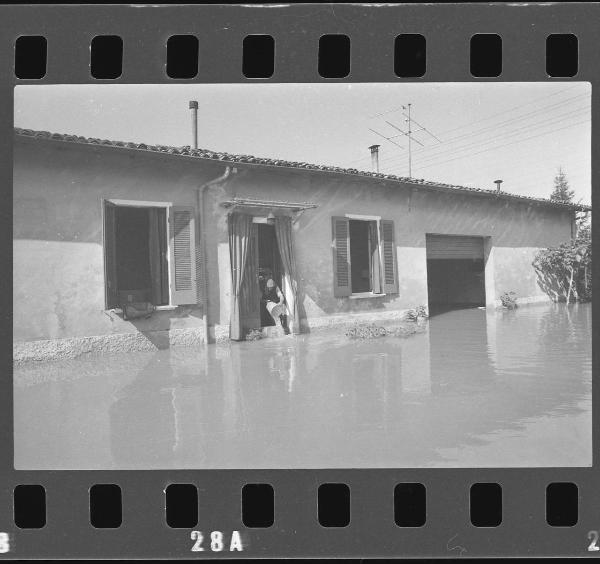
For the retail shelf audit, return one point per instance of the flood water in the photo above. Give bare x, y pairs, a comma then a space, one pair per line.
475, 389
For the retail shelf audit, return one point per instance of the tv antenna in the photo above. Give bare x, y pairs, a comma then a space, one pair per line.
408, 133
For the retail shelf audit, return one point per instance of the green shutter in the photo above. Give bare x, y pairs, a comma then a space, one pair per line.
183, 255
390, 268
341, 257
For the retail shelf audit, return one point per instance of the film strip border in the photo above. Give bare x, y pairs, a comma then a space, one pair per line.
257, 503
302, 43
449, 33
258, 56
222, 513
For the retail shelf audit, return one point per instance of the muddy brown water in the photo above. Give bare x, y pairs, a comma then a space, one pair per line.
477, 388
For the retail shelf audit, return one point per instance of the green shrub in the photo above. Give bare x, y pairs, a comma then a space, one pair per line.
419, 312
509, 300
565, 272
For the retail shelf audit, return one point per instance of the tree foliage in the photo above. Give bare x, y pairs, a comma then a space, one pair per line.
562, 192
565, 272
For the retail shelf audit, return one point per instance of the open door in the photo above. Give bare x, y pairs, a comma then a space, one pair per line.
250, 291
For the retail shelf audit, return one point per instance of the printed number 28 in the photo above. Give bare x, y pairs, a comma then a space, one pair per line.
593, 536
216, 541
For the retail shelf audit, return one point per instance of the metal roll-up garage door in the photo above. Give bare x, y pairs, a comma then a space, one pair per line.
454, 247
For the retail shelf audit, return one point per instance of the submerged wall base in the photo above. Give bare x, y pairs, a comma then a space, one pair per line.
58, 349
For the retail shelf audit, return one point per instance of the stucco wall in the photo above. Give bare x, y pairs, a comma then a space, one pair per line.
513, 231
58, 265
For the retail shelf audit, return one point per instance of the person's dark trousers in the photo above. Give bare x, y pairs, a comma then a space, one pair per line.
284, 323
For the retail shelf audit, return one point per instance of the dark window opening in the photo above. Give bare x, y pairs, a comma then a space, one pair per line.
269, 266
359, 256
136, 255
133, 250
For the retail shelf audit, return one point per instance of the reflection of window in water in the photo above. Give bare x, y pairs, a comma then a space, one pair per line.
142, 419
376, 378
459, 351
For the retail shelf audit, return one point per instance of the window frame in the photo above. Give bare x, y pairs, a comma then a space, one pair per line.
138, 204
377, 219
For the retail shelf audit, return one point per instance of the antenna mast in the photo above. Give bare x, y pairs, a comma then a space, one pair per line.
409, 133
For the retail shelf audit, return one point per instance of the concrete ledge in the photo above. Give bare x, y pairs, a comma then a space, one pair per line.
348, 319
58, 349
220, 333
525, 301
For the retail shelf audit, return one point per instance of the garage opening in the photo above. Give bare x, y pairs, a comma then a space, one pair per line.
455, 272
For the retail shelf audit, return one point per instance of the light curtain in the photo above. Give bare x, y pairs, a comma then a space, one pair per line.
376, 287
250, 291
283, 232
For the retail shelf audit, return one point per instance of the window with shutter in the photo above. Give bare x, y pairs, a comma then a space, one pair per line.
341, 257
183, 255
390, 267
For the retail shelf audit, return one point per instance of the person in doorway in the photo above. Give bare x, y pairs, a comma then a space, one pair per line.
275, 304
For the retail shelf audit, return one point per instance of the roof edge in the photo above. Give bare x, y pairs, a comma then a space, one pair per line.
229, 158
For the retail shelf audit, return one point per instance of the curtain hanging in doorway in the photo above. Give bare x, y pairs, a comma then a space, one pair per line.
240, 232
283, 232
375, 262
250, 290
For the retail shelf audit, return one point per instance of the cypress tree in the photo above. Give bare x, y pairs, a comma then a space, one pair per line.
561, 192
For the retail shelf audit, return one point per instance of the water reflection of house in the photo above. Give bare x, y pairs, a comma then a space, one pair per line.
98, 223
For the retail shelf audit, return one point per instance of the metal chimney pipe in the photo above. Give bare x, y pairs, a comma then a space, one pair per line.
375, 157
194, 108
497, 183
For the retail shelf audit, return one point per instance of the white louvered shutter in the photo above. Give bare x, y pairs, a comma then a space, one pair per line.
183, 255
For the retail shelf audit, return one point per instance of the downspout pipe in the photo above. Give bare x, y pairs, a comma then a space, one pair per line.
201, 220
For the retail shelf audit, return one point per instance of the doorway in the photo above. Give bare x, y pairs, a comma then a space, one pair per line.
269, 265
455, 272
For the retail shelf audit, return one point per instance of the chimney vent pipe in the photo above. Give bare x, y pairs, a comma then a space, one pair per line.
194, 108
497, 183
375, 157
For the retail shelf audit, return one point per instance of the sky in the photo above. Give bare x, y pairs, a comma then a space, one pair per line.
474, 133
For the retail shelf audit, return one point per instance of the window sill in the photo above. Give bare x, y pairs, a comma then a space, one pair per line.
365, 295
158, 308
